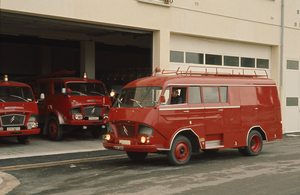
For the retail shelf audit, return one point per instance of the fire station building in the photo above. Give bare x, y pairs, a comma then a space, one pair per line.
117, 41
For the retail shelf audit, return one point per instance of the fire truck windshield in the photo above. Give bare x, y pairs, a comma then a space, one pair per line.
139, 97
15, 94
86, 89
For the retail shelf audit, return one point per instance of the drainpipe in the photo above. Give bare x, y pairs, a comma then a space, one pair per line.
282, 42
281, 63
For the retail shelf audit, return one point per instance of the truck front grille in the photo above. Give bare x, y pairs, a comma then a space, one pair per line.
12, 120
125, 130
92, 111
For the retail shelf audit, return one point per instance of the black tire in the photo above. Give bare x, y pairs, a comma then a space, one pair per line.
254, 144
23, 139
137, 156
181, 151
210, 151
54, 129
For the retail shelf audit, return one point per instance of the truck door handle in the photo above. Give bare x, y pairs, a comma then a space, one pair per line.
186, 111
220, 110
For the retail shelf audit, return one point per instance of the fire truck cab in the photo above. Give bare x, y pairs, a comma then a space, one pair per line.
72, 103
18, 111
178, 113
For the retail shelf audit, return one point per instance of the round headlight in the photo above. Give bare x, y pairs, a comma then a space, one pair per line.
143, 139
107, 137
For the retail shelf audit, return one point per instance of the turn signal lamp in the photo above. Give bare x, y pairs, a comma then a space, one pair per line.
84, 75
5, 78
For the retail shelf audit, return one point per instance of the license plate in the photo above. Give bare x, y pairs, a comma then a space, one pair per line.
124, 142
13, 128
93, 118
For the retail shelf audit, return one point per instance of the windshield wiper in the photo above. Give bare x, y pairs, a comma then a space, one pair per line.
97, 93
2, 100
19, 97
79, 93
138, 103
119, 102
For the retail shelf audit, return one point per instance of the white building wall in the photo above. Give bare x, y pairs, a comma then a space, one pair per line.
244, 28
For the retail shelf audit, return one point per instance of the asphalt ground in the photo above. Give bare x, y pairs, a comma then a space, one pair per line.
42, 150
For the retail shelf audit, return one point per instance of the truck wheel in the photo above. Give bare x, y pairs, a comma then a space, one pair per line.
255, 144
23, 139
181, 151
55, 131
137, 156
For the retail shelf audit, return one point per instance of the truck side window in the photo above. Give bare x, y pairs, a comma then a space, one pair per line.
223, 91
195, 95
57, 88
211, 94
178, 95
44, 88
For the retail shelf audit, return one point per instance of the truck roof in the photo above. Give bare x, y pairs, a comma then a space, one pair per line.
69, 79
13, 83
165, 80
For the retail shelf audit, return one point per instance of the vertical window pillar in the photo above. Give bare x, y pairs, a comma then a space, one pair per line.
87, 59
161, 49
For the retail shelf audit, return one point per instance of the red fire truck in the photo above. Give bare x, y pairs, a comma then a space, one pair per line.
72, 103
195, 110
18, 111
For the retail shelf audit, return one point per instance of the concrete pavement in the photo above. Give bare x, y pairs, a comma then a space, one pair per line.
41, 146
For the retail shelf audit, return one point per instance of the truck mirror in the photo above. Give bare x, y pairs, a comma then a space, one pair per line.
162, 99
63, 90
42, 96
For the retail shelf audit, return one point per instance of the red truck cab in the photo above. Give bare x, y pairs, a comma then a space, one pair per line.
72, 103
188, 112
18, 110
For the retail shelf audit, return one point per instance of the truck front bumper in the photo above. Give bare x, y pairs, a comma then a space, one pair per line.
130, 148
19, 132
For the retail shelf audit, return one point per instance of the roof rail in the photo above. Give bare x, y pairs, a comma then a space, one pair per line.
218, 71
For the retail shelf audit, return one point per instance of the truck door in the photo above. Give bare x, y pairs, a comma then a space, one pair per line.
43, 104
60, 101
173, 115
249, 104
213, 116
196, 114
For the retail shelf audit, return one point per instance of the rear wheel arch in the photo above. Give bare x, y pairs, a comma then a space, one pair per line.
260, 130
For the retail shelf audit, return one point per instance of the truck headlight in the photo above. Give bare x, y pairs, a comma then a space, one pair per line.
145, 130
32, 125
77, 116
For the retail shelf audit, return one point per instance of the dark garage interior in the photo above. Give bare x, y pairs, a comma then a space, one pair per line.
31, 46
